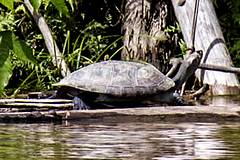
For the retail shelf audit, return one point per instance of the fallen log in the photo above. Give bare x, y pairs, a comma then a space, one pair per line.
146, 114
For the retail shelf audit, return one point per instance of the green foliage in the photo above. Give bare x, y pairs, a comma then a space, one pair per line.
84, 35
36, 4
6, 21
173, 29
7, 3
61, 6
22, 51
31, 77
5, 63
10, 44
85, 31
228, 12
5, 73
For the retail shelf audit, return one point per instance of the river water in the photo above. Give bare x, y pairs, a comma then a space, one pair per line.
128, 140
120, 141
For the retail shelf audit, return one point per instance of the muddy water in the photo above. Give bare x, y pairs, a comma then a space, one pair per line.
120, 141
157, 141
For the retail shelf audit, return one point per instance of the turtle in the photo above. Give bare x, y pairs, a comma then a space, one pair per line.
120, 81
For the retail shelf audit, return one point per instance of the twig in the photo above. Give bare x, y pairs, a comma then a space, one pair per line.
36, 105
4, 101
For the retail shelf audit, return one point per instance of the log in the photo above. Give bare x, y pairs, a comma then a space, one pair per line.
32, 117
154, 114
210, 40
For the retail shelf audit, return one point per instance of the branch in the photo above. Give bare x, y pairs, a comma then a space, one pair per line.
176, 61
37, 103
219, 68
49, 41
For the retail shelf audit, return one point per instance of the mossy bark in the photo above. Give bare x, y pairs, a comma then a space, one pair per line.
144, 28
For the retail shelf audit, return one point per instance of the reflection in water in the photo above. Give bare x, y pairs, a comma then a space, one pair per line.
226, 101
117, 141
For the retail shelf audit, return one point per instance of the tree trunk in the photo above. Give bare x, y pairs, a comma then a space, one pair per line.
209, 38
144, 26
57, 57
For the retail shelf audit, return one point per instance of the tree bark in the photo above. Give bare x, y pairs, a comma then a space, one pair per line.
209, 38
52, 47
144, 26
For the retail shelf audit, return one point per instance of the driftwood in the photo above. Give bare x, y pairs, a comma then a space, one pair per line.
153, 114
209, 38
37, 103
157, 114
49, 41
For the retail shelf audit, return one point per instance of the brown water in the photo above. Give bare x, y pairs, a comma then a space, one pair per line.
120, 141
129, 140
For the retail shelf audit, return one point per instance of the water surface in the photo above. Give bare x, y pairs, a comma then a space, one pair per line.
120, 141
128, 140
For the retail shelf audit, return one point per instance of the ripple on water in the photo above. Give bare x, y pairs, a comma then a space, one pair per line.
119, 140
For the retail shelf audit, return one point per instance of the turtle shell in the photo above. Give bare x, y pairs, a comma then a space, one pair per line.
119, 78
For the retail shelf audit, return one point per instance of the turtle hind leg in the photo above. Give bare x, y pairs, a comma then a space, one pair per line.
78, 104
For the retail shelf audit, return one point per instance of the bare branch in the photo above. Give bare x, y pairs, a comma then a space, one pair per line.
49, 41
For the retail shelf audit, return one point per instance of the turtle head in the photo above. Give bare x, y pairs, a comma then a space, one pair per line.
187, 68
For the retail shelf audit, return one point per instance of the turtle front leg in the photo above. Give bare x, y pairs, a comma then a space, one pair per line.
79, 104
178, 100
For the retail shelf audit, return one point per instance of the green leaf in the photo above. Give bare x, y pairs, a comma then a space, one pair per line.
61, 6
36, 4
7, 3
6, 40
71, 4
5, 63
22, 51
45, 3
5, 73
5, 46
